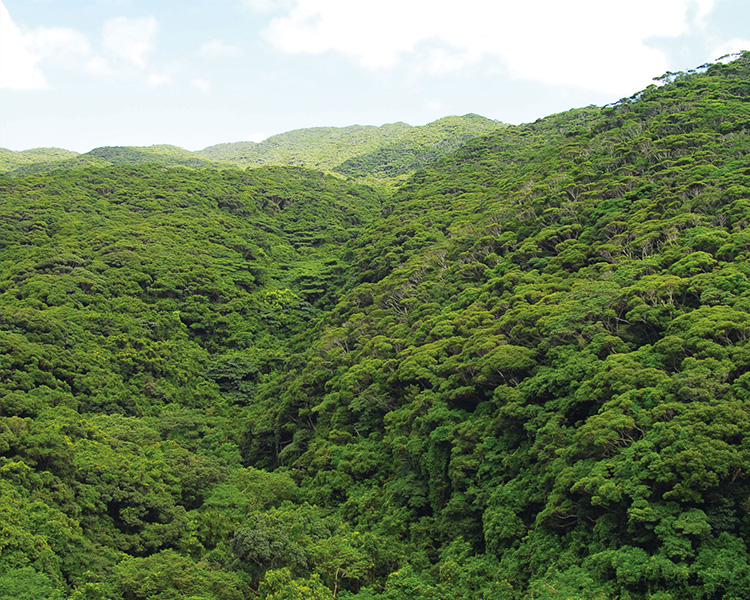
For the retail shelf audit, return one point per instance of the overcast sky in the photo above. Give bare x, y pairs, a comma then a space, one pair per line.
78, 74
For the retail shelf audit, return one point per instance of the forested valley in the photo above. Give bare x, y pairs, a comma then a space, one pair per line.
460, 362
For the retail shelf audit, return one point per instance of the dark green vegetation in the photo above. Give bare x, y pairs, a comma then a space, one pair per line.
521, 374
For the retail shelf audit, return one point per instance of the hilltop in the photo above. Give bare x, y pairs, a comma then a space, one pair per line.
357, 151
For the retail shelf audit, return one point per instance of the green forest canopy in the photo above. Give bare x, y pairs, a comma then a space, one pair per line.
379, 154
520, 373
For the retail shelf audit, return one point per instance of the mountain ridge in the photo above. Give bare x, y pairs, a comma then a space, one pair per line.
321, 148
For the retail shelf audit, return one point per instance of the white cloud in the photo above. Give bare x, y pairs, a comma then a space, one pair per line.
96, 65
588, 43
131, 40
18, 62
257, 137
730, 47
704, 8
434, 106
60, 45
219, 49
201, 84
157, 79
22, 54
266, 6
25, 54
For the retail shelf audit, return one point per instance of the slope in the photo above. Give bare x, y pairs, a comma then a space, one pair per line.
418, 148
377, 153
106, 272
9, 160
315, 148
140, 309
546, 359
359, 152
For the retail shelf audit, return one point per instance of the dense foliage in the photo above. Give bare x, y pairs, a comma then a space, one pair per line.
316, 147
521, 374
34, 161
10, 161
357, 151
366, 152
419, 147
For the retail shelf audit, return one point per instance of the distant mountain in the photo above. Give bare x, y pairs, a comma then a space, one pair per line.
320, 148
418, 147
357, 151
48, 159
162, 154
10, 160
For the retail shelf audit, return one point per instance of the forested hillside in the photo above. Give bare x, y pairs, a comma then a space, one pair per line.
361, 152
417, 148
10, 161
316, 147
372, 153
522, 373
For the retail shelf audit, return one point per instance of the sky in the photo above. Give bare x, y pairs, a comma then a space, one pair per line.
79, 74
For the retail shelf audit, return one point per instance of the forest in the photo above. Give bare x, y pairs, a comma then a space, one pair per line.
469, 361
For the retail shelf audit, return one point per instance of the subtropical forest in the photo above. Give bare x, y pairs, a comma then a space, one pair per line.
462, 361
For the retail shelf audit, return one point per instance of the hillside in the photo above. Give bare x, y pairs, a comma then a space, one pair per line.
163, 155
520, 374
360, 152
364, 152
316, 148
10, 160
417, 148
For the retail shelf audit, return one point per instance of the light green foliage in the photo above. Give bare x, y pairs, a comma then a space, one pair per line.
389, 152
317, 148
167, 575
10, 161
27, 584
279, 585
377, 154
417, 147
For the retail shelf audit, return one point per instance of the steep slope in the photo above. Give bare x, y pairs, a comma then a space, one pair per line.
140, 308
418, 148
547, 359
195, 250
